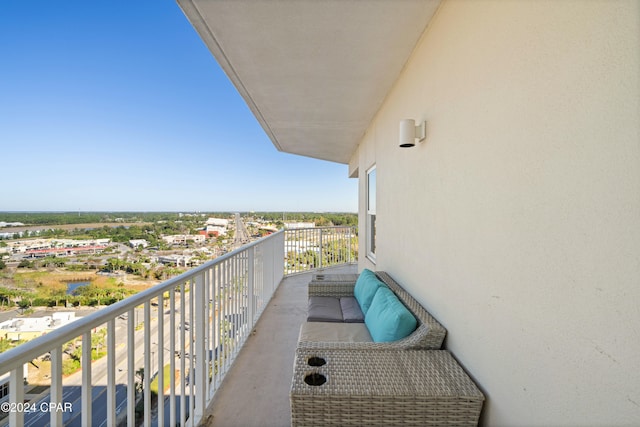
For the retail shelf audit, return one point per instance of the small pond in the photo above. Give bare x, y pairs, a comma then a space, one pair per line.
75, 285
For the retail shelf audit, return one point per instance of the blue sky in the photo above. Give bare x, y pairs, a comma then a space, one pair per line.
119, 106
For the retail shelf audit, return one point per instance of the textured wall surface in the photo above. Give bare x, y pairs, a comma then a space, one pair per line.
517, 221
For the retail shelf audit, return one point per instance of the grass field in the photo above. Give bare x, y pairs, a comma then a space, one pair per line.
72, 226
57, 279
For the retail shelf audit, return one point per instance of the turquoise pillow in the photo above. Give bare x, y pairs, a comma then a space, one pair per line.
388, 319
365, 289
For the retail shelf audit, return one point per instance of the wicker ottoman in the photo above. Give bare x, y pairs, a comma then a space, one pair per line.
382, 388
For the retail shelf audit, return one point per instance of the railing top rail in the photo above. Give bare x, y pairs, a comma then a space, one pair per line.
17, 356
320, 227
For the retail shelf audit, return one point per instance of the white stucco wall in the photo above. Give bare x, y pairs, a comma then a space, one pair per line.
517, 222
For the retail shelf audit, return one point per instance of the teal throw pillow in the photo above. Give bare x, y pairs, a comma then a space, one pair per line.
365, 289
388, 319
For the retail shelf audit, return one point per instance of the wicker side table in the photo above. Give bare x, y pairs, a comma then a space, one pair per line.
382, 388
337, 285
334, 278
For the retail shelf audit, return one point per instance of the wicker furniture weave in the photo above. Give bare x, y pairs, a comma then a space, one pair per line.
383, 388
429, 333
333, 280
332, 285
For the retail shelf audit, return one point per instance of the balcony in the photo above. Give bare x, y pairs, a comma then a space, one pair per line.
195, 323
262, 372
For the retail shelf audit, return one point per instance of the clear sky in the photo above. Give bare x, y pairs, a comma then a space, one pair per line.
117, 105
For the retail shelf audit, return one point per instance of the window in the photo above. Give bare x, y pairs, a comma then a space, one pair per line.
4, 390
371, 214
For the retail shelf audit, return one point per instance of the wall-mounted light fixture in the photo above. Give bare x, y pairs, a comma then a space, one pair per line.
409, 132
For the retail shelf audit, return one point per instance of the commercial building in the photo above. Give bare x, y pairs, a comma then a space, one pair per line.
138, 243
28, 328
182, 239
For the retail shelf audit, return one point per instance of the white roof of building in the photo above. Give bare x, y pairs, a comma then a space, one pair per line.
220, 222
37, 324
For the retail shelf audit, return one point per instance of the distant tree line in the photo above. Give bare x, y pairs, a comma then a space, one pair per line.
50, 218
320, 219
59, 218
151, 232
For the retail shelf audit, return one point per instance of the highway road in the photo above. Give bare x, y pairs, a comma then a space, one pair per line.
241, 236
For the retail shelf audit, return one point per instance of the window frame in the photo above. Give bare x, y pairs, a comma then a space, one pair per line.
370, 221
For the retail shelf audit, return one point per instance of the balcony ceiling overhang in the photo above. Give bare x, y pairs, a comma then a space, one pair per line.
314, 73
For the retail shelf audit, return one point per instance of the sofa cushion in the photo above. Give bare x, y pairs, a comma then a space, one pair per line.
365, 289
351, 312
324, 309
334, 332
388, 319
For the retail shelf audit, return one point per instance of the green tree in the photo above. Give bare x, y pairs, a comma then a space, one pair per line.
26, 300
114, 264
7, 297
139, 385
57, 295
25, 264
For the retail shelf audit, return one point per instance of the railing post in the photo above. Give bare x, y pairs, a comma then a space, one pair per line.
201, 373
148, 370
131, 368
16, 393
183, 340
279, 254
56, 385
321, 251
172, 357
160, 350
349, 240
87, 399
192, 344
250, 286
111, 372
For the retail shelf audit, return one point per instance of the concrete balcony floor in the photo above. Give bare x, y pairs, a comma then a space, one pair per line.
255, 391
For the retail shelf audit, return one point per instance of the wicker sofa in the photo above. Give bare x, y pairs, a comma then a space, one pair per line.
429, 333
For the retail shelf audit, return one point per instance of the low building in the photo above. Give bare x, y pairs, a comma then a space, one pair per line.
182, 239
58, 247
28, 328
177, 260
219, 222
11, 224
215, 230
136, 243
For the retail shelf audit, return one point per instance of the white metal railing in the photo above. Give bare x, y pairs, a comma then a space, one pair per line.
185, 332
308, 249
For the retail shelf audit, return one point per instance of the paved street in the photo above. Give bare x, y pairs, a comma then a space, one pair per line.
72, 386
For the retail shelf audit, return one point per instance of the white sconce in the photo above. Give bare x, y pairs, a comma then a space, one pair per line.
409, 132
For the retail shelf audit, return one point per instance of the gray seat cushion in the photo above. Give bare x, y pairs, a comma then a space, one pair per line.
324, 309
351, 312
